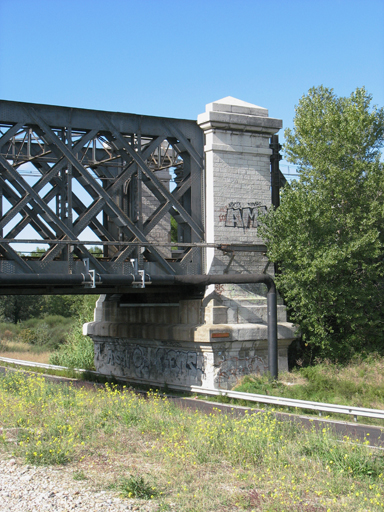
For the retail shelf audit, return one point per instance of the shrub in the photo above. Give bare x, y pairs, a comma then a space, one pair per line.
8, 331
77, 352
48, 333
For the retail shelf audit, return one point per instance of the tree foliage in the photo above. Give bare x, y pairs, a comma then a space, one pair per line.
328, 234
19, 308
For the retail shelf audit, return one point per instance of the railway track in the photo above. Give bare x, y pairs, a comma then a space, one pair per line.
355, 431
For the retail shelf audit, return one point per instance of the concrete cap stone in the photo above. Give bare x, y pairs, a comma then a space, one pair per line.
237, 115
236, 106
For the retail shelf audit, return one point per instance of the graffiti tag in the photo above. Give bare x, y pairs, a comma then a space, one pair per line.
141, 362
245, 217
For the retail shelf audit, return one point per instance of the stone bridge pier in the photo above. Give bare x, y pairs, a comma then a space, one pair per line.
211, 337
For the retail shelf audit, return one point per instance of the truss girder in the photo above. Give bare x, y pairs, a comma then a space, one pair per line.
126, 148
104, 154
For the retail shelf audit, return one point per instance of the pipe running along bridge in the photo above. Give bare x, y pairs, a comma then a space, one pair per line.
158, 215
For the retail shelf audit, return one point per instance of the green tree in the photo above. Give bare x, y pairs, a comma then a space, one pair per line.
16, 308
38, 252
96, 251
328, 234
63, 305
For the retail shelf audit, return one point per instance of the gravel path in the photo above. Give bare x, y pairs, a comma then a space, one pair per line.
38, 489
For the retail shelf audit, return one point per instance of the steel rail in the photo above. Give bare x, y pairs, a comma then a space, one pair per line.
250, 397
224, 246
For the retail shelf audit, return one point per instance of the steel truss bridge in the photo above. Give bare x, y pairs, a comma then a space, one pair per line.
72, 174
79, 178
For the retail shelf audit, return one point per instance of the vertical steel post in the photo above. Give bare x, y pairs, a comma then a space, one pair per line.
275, 177
271, 295
275, 170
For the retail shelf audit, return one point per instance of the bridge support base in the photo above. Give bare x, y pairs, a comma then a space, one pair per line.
213, 341
184, 344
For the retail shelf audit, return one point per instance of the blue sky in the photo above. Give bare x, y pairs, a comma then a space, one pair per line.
169, 58
172, 57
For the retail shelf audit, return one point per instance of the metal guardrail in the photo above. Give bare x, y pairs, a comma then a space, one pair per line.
292, 402
32, 364
250, 397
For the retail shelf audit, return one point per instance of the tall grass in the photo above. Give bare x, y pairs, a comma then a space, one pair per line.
53, 333
78, 351
184, 460
359, 383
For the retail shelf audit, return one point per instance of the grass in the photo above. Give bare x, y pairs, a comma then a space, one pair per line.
359, 383
147, 449
24, 351
79, 475
27, 355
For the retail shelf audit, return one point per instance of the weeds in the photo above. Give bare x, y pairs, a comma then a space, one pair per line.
136, 487
360, 383
185, 460
77, 352
61, 335
35, 334
79, 475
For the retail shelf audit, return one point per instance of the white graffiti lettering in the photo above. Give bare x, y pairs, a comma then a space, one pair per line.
247, 217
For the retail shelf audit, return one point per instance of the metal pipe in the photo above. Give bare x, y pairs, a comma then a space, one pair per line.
206, 280
41, 279
272, 333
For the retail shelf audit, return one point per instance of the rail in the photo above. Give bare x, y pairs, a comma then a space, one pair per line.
293, 402
33, 364
250, 397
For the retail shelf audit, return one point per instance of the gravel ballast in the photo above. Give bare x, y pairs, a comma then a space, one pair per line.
25, 488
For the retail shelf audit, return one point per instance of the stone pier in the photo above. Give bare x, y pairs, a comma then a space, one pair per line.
208, 337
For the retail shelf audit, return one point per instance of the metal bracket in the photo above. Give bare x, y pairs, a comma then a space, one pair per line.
226, 270
90, 273
136, 271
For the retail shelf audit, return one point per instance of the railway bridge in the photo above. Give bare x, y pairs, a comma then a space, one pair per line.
160, 218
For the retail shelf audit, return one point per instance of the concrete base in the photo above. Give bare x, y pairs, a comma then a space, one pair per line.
184, 344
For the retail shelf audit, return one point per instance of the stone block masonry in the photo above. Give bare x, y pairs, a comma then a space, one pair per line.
238, 180
189, 343
211, 342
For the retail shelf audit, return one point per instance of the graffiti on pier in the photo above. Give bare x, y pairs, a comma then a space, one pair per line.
231, 369
135, 361
237, 216
179, 363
